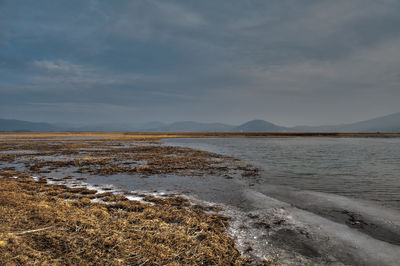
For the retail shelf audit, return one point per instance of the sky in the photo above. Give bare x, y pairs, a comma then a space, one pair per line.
290, 62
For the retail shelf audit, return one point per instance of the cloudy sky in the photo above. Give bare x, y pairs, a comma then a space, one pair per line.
290, 62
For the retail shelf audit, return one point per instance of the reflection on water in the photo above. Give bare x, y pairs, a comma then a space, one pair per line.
360, 168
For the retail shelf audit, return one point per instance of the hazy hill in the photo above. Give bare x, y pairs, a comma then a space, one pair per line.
116, 127
258, 126
389, 123
105, 127
19, 125
151, 125
189, 126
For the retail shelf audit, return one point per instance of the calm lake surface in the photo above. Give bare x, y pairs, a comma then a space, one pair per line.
353, 167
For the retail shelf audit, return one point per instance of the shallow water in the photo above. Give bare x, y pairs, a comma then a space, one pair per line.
359, 168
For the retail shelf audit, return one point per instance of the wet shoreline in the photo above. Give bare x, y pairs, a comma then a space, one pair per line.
268, 223
354, 231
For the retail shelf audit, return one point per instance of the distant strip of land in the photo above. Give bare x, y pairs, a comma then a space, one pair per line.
160, 135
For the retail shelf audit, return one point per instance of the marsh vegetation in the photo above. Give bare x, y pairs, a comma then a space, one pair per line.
45, 221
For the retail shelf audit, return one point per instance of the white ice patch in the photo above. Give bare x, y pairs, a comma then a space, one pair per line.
98, 200
51, 182
100, 189
136, 198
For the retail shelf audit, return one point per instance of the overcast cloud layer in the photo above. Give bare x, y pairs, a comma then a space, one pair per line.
286, 61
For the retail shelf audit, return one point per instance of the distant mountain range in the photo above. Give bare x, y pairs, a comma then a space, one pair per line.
19, 125
189, 126
389, 123
258, 126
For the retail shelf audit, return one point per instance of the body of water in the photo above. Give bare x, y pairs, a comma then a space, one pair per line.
353, 167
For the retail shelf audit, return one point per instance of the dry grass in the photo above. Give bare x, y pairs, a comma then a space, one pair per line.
39, 227
107, 157
44, 224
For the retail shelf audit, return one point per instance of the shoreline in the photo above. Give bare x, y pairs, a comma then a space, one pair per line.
265, 229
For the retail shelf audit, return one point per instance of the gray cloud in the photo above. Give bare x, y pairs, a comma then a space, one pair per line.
290, 62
